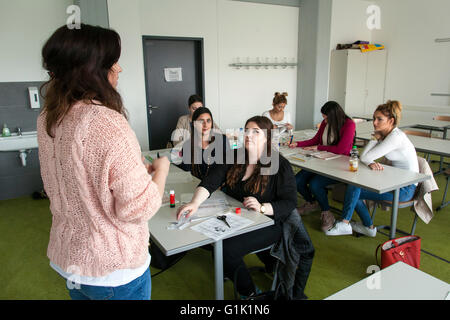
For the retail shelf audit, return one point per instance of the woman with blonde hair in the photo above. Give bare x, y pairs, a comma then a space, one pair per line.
101, 193
278, 115
387, 141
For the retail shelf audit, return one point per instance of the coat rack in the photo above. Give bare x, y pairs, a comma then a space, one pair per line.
266, 64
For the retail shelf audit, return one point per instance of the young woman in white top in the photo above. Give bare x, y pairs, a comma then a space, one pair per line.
278, 115
392, 143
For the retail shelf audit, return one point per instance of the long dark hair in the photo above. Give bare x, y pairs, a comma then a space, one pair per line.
257, 182
78, 62
336, 118
195, 167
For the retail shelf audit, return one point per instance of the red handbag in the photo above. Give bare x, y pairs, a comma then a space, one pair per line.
405, 249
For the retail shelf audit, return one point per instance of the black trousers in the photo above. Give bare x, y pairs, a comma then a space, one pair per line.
235, 248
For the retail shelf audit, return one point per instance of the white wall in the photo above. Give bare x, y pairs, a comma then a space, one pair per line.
417, 66
348, 22
254, 30
230, 29
24, 27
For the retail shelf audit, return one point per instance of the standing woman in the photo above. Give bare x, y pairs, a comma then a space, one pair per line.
205, 147
336, 134
101, 193
272, 195
278, 115
387, 141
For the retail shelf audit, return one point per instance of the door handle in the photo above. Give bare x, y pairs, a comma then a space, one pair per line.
151, 108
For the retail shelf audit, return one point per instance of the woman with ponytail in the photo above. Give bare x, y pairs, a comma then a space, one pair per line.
387, 141
251, 180
278, 115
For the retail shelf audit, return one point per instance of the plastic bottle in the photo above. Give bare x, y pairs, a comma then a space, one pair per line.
354, 160
172, 198
5, 131
240, 143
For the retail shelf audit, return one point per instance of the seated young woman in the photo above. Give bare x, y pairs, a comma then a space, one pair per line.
205, 146
336, 134
253, 181
278, 115
183, 128
387, 141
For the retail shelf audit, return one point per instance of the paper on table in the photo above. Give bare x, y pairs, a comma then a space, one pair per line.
216, 229
216, 204
325, 155
299, 157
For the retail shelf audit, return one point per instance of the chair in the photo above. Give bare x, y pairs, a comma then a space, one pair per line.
262, 269
442, 118
404, 204
420, 134
445, 203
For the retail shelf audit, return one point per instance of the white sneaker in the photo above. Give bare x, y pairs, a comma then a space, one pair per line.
339, 229
360, 228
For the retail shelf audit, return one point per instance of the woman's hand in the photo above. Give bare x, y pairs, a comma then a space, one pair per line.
147, 165
161, 165
252, 203
377, 135
190, 208
313, 148
376, 166
293, 145
289, 126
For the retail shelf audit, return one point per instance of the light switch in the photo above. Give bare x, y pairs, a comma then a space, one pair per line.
34, 97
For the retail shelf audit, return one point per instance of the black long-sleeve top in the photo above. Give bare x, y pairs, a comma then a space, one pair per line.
281, 191
220, 142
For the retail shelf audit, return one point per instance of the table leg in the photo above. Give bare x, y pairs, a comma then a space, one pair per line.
218, 269
394, 214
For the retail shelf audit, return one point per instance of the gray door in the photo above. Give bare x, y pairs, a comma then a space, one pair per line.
165, 59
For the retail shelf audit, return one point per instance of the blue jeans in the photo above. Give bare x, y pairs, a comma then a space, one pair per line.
138, 289
313, 187
354, 197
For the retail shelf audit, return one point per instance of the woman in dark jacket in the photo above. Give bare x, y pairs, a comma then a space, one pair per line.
264, 181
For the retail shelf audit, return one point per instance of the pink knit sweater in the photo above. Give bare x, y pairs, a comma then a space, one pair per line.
101, 196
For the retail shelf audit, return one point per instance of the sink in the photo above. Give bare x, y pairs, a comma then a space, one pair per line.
28, 140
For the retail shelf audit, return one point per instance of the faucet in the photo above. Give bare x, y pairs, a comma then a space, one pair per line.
19, 131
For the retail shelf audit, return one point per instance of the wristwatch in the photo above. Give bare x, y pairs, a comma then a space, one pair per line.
262, 209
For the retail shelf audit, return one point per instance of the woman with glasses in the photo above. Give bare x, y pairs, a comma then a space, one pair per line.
252, 180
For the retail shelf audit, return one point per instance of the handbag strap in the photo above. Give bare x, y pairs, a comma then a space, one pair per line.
376, 255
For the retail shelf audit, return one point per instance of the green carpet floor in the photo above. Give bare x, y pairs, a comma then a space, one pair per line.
339, 261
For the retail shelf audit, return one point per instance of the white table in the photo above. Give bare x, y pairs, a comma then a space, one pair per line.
388, 180
422, 144
406, 122
176, 241
399, 281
